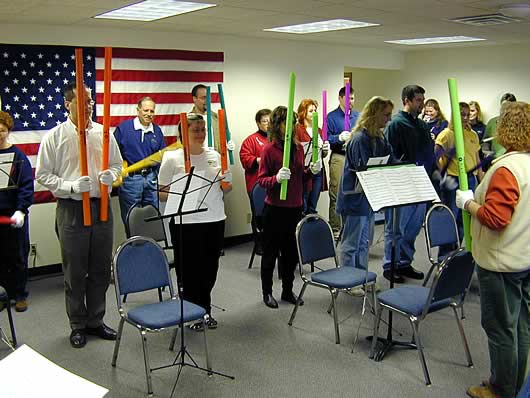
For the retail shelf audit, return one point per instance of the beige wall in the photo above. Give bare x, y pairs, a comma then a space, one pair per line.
256, 76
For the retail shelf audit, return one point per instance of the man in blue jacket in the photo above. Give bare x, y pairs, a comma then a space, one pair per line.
338, 135
410, 142
138, 138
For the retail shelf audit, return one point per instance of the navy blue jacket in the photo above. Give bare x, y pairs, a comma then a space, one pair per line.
20, 198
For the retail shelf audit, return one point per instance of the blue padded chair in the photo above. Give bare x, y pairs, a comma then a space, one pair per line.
440, 230
525, 389
140, 265
314, 239
5, 302
257, 204
448, 289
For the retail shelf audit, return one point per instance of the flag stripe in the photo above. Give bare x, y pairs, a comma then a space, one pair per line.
150, 64
163, 75
161, 110
152, 87
163, 54
161, 120
159, 98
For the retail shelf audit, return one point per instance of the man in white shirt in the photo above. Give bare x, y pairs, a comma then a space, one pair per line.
86, 251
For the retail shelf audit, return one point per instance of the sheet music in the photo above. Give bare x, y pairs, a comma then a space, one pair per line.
6, 163
393, 186
378, 160
194, 196
46, 380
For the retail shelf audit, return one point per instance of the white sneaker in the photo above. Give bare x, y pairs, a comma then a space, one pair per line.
357, 292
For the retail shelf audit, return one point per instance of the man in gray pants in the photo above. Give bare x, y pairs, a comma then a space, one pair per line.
86, 250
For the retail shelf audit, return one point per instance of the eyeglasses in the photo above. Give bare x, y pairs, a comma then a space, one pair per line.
194, 117
89, 102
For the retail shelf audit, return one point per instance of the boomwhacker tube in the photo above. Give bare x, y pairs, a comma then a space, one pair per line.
107, 78
228, 134
314, 141
324, 115
347, 107
288, 134
460, 153
209, 115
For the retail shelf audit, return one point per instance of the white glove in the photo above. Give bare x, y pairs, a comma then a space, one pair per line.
106, 177
449, 183
283, 174
231, 145
18, 219
462, 197
82, 184
227, 176
345, 136
325, 147
315, 167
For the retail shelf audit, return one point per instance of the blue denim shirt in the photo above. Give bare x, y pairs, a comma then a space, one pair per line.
360, 148
336, 126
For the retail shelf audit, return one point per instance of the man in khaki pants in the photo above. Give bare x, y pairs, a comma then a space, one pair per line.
338, 135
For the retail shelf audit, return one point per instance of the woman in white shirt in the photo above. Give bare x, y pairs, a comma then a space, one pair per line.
202, 233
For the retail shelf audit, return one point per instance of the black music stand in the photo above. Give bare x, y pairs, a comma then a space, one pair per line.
10, 183
371, 186
180, 359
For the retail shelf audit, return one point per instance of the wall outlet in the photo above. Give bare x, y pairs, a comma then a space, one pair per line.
33, 249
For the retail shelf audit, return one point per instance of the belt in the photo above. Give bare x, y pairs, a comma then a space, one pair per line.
142, 172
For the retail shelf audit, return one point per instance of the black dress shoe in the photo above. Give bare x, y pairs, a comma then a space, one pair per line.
270, 301
397, 278
77, 338
411, 273
291, 298
102, 331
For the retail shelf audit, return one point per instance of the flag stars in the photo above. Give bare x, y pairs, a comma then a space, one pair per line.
49, 98
41, 107
41, 73
15, 81
65, 81
6, 72
7, 90
49, 81
89, 74
33, 98
65, 114
57, 106
33, 115
25, 107
49, 64
7, 107
57, 73
50, 115
57, 90
89, 57
23, 73
16, 115
24, 90
72, 73
15, 64
42, 123
32, 81
56, 56
16, 98
40, 56
72, 56
6, 55
65, 65
41, 89
25, 124
32, 64
57, 122
23, 55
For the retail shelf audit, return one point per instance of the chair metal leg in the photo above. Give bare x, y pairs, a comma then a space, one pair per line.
463, 316
416, 331
204, 327
160, 294
143, 334
174, 339
335, 318
331, 302
117, 343
11, 324
295, 309
464, 339
124, 298
377, 320
252, 255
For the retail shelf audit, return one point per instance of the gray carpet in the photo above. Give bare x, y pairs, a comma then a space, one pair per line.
254, 343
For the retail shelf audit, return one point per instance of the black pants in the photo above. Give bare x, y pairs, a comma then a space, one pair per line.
201, 247
14, 258
279, 226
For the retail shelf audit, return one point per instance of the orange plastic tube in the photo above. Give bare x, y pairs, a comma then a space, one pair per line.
107, 77
185, 141
222, 145
81, 126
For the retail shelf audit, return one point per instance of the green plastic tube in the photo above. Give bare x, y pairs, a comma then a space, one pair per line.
288, 134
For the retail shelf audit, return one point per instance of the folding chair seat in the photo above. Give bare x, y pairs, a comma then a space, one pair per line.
140, 265
314, 240
448, 289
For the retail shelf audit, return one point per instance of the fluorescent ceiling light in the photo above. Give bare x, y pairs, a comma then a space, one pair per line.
150, 10
434, 40
322, 26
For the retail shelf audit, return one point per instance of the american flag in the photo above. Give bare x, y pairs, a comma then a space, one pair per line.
33, 77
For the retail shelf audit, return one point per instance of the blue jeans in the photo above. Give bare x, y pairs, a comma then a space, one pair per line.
356, 240
137, 188
409, 220
311, 197
448, 197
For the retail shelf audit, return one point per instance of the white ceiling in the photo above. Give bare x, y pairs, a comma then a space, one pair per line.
399, 19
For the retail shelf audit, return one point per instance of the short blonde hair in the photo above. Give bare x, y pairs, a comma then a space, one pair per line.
513, 126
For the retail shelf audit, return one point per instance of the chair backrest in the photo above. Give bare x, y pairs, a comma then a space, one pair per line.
140, 264
137, 226
453, 276
440, 227
314, 240
257, 200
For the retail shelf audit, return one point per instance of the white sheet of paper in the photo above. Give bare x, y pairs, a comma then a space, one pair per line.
5, 168
377, 161
393, 186
42, 378
192, 199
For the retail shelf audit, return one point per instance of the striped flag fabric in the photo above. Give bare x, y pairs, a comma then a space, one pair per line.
33, 78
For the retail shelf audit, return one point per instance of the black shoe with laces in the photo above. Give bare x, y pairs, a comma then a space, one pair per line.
78, 338
290, 297
397, 277
411, 273
270, 301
